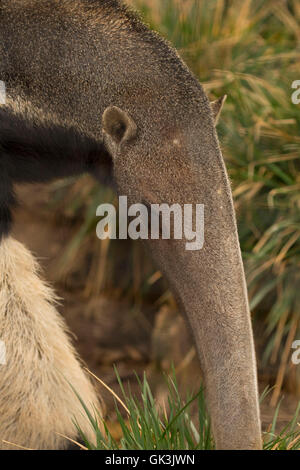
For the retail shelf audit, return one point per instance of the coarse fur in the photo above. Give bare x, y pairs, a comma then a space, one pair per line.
37, 401
91, 66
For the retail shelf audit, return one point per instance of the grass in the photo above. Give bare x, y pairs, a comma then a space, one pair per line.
250, 52
177, 425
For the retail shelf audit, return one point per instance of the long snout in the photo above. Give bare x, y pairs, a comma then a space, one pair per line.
208, 282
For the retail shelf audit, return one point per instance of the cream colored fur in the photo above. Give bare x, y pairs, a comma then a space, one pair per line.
36, 400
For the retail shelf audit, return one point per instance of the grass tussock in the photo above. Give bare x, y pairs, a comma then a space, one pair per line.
177, 425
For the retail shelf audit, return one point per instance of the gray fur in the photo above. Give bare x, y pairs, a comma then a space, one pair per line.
66, 62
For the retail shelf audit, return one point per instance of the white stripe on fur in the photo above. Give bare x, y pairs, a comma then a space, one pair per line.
36, 400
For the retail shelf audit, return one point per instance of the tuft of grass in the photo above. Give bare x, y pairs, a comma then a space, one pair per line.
147, 426
177, 425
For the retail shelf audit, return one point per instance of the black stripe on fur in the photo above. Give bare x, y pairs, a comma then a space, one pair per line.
32, 152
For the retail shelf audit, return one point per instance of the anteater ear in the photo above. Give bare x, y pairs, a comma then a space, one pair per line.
118, 125
217, 106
